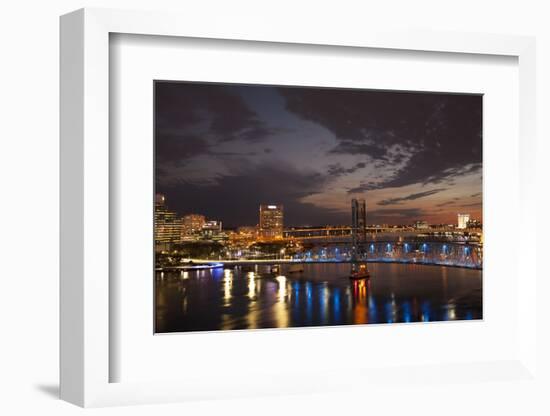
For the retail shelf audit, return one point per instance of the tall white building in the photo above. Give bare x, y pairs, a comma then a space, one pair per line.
463, 221
271, 221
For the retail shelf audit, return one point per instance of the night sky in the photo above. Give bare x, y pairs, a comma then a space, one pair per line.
223, 149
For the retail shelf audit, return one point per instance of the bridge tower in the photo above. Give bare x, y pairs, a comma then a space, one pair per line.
358, 229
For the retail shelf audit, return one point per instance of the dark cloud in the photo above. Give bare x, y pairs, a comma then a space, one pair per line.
444, 204
215, 111
172, 148
337, 169
353, 148
214, 153
234, 198
435, 136
176, 150
359, 189
397, 180
473, 204
411, 197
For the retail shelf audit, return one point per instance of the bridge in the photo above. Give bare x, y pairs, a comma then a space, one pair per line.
423, 252
417, 252
344, 234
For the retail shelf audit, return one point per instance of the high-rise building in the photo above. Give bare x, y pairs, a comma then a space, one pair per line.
271, 222
463, 221
212, 230
192, 225
358, 227
167, 223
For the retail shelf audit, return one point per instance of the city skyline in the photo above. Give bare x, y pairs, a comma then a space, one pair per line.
223, 149
462, 222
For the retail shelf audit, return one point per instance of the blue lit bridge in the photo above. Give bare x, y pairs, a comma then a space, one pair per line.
424, 252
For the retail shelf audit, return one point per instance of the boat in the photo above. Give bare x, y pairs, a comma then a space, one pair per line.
359, 271
296, 268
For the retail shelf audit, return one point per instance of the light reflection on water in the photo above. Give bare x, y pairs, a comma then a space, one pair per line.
254, 296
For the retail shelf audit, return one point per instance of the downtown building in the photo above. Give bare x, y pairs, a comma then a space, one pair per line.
167, 225
192, 225
212, 230
271, 222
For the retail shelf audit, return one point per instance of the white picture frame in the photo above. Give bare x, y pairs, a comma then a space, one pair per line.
85, 216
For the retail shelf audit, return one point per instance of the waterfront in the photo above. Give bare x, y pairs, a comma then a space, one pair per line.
255, 296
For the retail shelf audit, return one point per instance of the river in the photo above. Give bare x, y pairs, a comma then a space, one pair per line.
252, 296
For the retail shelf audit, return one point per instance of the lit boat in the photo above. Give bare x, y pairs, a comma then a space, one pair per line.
203, 266
296, 268
359, 271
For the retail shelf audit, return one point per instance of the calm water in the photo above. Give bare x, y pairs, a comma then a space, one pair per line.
253, 297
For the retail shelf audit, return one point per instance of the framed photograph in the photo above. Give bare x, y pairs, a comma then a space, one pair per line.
261, 216
278, 213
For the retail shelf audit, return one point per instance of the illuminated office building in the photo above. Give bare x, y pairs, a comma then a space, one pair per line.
192, 225
167, 223
271, 222
212, 230
463, 221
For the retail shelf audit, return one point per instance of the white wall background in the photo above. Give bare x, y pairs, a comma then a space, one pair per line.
29, 206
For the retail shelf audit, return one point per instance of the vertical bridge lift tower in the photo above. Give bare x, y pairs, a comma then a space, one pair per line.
359, 268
